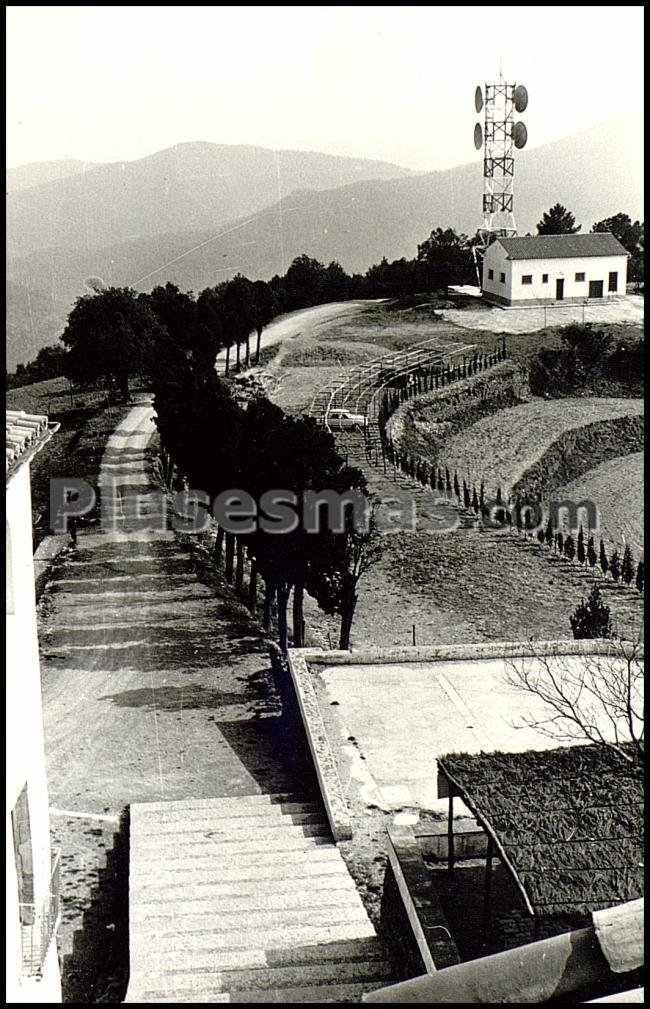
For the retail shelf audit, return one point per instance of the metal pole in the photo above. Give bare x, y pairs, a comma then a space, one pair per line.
450, 832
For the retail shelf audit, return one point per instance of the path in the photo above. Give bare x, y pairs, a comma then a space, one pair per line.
156, 687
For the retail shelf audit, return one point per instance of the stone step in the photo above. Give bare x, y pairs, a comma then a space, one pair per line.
204, 838
201, 931
120, 582
231, 803
196, 951
308, 867
232, 826
301, 894
220, 809
267, 979
262, 889
230, 858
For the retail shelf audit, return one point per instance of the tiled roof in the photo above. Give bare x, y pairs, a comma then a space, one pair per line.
24, 431
599, 243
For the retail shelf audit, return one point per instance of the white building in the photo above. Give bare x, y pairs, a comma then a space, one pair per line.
32, 892
546, 269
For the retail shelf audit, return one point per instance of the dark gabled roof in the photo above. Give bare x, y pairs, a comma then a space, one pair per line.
600, 243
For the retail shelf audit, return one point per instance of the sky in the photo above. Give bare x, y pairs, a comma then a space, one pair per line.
392, 83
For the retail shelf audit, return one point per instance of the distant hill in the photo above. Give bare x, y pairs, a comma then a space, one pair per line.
41, 172
33, 321
197, 185
595, 174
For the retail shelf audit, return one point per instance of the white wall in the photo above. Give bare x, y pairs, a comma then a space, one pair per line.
593, 267
25, 749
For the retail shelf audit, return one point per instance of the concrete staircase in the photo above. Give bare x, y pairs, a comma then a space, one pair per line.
245, 900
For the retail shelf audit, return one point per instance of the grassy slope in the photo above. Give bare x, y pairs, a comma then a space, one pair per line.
76, 449
500, 448
617, 487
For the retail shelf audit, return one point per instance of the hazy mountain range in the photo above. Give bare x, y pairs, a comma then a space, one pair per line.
198, 213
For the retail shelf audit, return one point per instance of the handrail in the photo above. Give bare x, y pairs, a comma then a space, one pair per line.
37, 934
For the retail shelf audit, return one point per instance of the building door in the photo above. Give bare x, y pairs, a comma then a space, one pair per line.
559, 289
595, 288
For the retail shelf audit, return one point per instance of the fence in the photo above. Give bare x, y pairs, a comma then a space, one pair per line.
41, 920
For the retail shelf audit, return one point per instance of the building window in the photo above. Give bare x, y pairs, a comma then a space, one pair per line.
613, 281
490, 274
24, 857
502, 278
580, 278
527, 278
545, 278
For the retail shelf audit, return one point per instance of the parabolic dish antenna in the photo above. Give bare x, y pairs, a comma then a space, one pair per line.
519, 135
478, 136
520, 98
478, 99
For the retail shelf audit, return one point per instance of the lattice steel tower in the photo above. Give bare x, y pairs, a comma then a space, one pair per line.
499, 136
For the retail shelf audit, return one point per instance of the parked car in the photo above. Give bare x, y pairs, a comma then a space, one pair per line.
339, 420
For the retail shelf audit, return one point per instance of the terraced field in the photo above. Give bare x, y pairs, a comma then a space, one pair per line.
617, 488
500, 448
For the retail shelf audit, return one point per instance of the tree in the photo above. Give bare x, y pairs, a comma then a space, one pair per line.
111, 335
615, 566
640, 576
549, 536
456, 486
596, 699
263, 309
627, 567
631, 236
557, 221
569, 547
592, 557
448, 258
581, 553
592, 619
603, 559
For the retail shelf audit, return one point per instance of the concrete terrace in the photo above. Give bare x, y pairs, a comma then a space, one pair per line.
157, 689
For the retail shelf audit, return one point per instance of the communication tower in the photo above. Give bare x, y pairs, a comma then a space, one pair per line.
499, 136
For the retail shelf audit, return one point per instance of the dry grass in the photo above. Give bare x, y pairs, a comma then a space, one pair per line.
617, 489
500, 448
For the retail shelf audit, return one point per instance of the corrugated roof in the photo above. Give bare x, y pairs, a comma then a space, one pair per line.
23, 432
600, 243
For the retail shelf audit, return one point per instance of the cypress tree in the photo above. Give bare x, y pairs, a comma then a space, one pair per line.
499, 497
475, 504
559, 539
481, 498
591, 553
627, 567
569, 547
541, 536
640, 576
518, 517
447, 481
615, 566
441, 480
549, 538
603, 561
581, 547
456, 485
466, 497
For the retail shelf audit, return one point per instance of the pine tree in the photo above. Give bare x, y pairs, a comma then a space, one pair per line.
603, 560
569, 547
627, 567
592, 557
581, 547
592, 619
557, 221
615, 566
640, 576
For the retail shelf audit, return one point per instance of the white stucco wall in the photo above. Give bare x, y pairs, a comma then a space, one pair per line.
513, 290
25, 751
